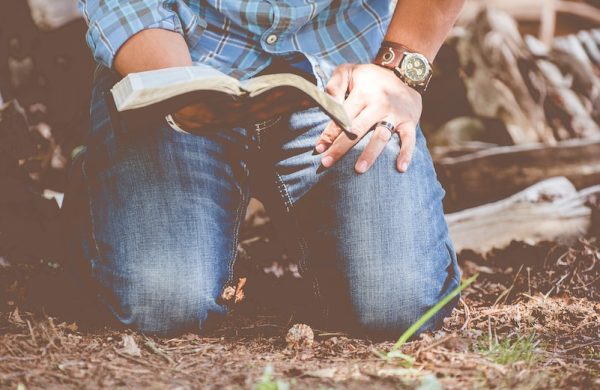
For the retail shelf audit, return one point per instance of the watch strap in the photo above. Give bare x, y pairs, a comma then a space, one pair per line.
390, 54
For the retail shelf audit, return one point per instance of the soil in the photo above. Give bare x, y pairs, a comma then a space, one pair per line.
531, 320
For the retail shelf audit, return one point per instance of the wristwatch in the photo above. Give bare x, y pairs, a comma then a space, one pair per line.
412, 68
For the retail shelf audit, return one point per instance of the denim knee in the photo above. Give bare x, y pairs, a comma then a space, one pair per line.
389, 299
383, 316
161, 299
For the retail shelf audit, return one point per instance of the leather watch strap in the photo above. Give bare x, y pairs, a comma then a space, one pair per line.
390, 54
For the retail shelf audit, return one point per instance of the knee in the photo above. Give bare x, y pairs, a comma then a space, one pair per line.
157, 303
393, 312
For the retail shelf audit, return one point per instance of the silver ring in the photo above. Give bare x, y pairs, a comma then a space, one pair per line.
387, 125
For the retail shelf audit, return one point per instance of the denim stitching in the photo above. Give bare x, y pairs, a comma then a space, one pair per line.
267, 124
238, 220
90, 206
289, 206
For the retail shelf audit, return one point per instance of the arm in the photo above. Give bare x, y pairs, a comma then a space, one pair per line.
423, 25
376, 94
152, 49
143, 34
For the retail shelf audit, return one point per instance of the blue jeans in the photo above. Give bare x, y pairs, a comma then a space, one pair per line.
164, 210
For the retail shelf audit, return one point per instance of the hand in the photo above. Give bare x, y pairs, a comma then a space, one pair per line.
374, 94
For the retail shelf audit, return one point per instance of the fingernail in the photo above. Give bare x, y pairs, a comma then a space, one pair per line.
320, 148
327, 161
361, 167
404, 166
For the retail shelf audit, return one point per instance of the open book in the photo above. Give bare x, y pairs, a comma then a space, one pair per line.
153, 94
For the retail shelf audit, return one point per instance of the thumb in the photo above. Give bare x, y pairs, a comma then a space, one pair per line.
339, 83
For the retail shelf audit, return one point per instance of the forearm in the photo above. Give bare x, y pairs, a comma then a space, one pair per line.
422, 25
152, 49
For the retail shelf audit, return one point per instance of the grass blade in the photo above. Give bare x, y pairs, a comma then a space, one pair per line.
430, 313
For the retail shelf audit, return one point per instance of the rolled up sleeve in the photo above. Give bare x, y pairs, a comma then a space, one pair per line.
112, 22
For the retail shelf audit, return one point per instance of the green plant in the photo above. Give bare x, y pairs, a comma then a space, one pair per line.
511, 350
267, 382
394, 352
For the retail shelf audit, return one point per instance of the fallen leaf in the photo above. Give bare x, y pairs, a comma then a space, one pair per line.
15, 317
228, 293
322, 373
239, 290
130, 347
398, 372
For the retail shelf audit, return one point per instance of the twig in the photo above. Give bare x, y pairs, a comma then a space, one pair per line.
131, 358
153, 348
593, 342
31, 332
556, 285
467, 314
332, 334
504, 294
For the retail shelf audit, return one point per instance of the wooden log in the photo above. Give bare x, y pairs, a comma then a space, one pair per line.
502, 78
590, 45
495, 173
549, 210
49, 15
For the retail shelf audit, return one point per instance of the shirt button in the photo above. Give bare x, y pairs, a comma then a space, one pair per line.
271, 39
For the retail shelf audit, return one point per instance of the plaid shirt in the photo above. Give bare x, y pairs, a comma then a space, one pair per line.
240, 37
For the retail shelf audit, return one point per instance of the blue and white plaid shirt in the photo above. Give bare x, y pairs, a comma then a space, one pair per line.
241, 37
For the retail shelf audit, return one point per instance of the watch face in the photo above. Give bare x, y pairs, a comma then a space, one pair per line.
415, 67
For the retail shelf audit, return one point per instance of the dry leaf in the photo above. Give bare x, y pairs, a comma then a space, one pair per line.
228, 293
239, 290
15, 317
130, 347
322, 373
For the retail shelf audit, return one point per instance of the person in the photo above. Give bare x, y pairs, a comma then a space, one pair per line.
363, 218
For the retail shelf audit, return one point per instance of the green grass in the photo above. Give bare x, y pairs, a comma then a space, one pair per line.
511, 350
267, 382
407, 360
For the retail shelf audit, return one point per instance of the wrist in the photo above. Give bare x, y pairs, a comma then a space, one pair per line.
413, 68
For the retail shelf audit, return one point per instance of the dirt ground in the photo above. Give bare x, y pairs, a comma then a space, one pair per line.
531, 320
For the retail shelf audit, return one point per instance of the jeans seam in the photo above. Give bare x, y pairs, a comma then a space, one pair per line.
90, 206
289, 206
235, 240
267, 124
101, 297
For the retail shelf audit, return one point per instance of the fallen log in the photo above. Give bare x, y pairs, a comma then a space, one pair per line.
494, 173
49, 15
552, 210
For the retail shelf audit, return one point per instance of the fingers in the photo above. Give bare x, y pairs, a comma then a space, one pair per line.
380, 138
407, 133
361, 125
353, 106
337, 86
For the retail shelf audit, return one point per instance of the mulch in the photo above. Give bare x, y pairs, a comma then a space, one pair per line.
531, 320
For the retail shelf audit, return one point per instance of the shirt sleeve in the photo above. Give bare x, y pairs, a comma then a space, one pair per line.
112, 22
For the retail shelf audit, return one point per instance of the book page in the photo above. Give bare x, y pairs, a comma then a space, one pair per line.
142, 89
335, 110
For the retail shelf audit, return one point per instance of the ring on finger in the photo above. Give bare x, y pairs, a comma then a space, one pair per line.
387, 125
